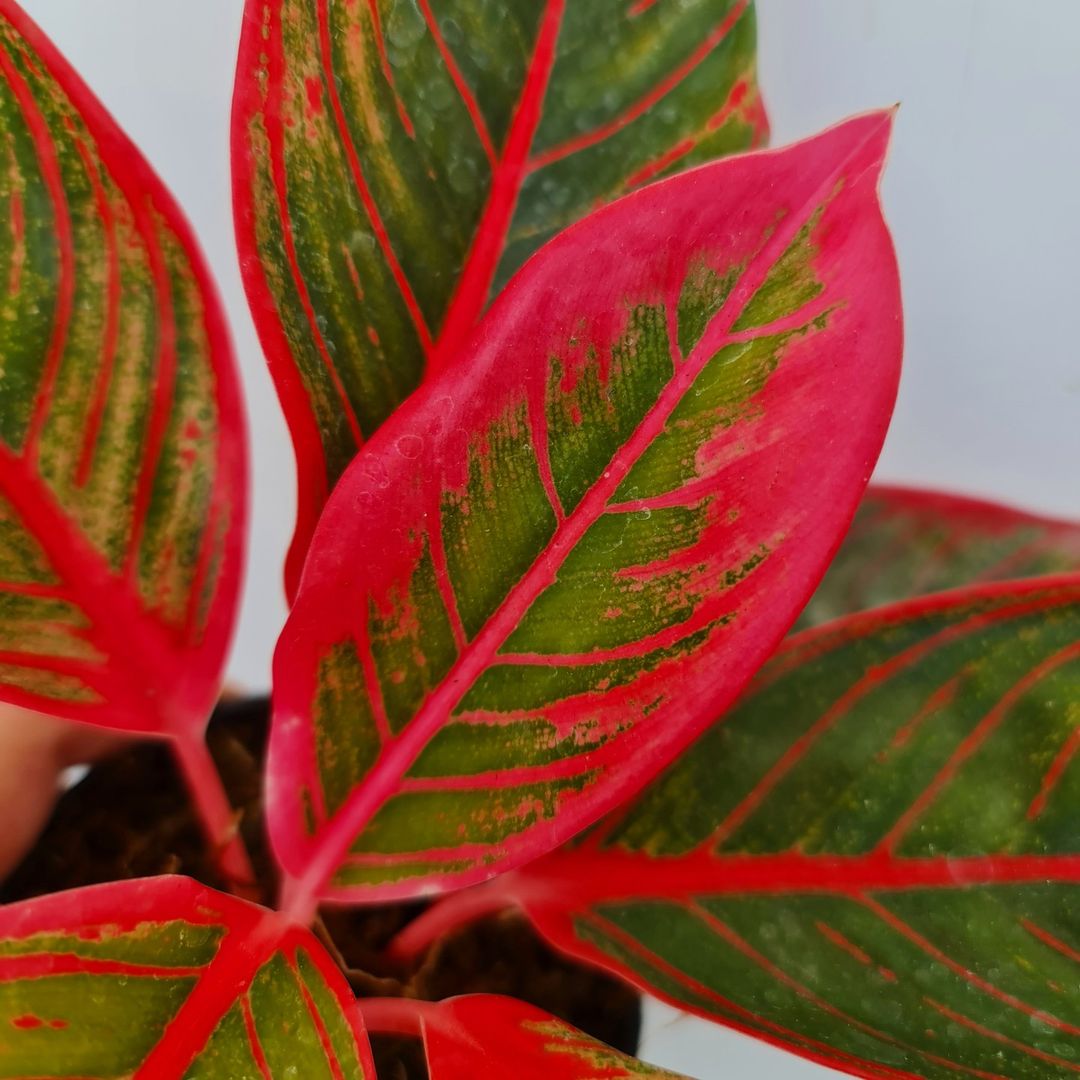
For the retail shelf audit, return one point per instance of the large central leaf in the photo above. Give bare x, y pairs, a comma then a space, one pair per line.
559, 559
396, 160
874, 859
163, 979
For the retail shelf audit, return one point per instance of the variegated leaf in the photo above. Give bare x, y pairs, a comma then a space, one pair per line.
163, 979
122, 444
484, 1035
905, 542
122, 455
873, 859
396, 161
544, 576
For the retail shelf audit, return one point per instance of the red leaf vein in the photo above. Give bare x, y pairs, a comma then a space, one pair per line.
896, 923
647, 101
463, 88
65, 294
363, 190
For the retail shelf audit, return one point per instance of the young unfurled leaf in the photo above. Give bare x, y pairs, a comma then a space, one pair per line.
545, 575
163, 978
484, 1035
905, 543
874, 859
396, 162
122, 452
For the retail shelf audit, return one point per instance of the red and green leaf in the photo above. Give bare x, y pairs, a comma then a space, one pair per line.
395, 163
873, 859
546, 573
487, 1035
122, 455
163, 978
905, 543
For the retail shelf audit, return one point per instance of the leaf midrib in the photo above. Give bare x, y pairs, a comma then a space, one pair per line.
612, 875
489, 241
226, 979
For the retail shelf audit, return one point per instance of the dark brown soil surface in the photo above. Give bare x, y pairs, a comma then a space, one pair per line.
130, 817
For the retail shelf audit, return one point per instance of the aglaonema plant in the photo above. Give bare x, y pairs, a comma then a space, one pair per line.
582, 417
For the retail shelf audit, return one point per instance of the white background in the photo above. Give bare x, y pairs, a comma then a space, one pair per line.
983, 193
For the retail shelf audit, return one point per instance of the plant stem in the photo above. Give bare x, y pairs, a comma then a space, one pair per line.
296, 901
395, 1016
216, 814
446, 915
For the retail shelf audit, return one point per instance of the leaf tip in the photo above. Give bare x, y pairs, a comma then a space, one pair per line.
869, 134
876, 123
863, 138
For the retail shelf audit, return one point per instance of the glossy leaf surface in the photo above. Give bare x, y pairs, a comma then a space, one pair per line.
161, 978
122, 500
396, 162
874, 859
544, 575
484, 1035
905, 543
